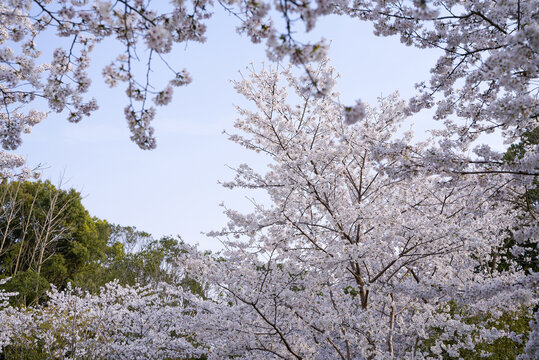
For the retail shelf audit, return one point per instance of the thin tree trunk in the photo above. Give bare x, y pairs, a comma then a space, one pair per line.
391, 328
25, 230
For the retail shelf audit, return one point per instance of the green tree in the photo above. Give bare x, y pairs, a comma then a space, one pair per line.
46, 237
527, 258
133, 256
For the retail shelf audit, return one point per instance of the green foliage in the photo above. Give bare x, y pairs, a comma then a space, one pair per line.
194, 286
47, 237
46, 231
21, 352
501, 349
135, 257
350, 290
517, 151
24, 284
527, 259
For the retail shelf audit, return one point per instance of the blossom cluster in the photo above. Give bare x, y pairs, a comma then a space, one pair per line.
120, 322
360, 255
485, 79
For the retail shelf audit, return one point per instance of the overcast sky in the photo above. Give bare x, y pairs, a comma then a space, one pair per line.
174, 189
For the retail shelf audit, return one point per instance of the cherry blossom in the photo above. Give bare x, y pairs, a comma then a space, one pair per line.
365, 251
358, 256
118, 323
485, 79
370, 241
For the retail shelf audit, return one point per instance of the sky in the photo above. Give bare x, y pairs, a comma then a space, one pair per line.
174, 189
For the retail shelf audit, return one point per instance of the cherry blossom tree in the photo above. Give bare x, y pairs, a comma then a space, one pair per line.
371, 240
359, 256
120, 322
362, 254
5, 334
486, 76
532, 346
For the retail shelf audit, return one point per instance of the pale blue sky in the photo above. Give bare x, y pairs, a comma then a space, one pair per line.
173, 189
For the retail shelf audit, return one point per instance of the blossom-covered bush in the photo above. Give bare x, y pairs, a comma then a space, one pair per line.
121, 322
5, 334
